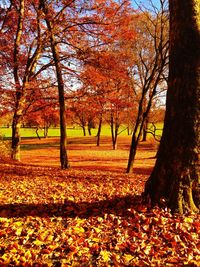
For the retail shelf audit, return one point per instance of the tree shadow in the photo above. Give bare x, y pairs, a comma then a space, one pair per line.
119, 206
142, 170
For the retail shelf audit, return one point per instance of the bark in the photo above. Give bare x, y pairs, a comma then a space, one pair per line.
89, 130
129, 132
17, 118
37, 133
84, 130
91, 126
145, 130
134, 143
176, 175
63, 135
99, 130
46, 129
114, 125
21, 86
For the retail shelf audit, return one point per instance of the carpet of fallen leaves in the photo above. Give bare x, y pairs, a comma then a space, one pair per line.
87, 217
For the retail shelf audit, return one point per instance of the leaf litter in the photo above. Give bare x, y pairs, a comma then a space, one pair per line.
50, 217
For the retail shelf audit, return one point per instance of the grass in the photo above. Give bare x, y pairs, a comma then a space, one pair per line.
71, 132
53, 132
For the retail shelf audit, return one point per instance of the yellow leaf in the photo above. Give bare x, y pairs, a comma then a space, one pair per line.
147, 250
78, 229
49, 238
127, 258
38, 242
70, 198
96, 240
97, 230
188, 220
105, 255
18, 231
28, 254
43, 235
18, 224
6, 258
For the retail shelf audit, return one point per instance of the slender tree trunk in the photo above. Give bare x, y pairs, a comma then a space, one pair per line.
17, 118
63, 135
151, 77
21, 83
84, 130
16, 125
114, 137
46, 128
144, 130
89, 130
176, 175
114, 132
129, 130
99, 131
37, 133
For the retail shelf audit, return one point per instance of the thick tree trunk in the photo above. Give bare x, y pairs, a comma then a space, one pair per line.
63, 135
176, 175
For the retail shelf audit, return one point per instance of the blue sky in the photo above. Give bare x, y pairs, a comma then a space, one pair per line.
145, 2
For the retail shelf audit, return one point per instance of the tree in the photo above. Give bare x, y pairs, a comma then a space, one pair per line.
150, 69
20, 51
176, 175
56, 57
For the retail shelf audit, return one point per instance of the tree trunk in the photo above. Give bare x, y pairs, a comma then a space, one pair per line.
63, 135
16, 125
21, 82
84, 131
176, 175
89, 130
99, 131
151, 77
135, 139
46, 128
144, 130
17, 118
37, 133
114, 131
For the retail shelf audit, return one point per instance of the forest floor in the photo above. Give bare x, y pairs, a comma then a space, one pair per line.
90, 215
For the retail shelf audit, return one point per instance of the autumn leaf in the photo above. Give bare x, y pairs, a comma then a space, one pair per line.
105, 255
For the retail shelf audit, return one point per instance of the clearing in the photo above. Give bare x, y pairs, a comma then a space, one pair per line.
90, 215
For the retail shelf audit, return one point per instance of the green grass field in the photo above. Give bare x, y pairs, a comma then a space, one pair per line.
53, 132
71, 132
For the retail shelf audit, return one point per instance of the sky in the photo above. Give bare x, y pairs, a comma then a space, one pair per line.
145, 2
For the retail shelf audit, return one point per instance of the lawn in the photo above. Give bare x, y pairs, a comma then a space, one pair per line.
71, 131
53, 132
90, 215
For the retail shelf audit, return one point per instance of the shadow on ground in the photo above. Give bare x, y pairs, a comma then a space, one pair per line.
117, 205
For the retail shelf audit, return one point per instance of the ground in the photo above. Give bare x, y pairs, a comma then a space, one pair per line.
90, 215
